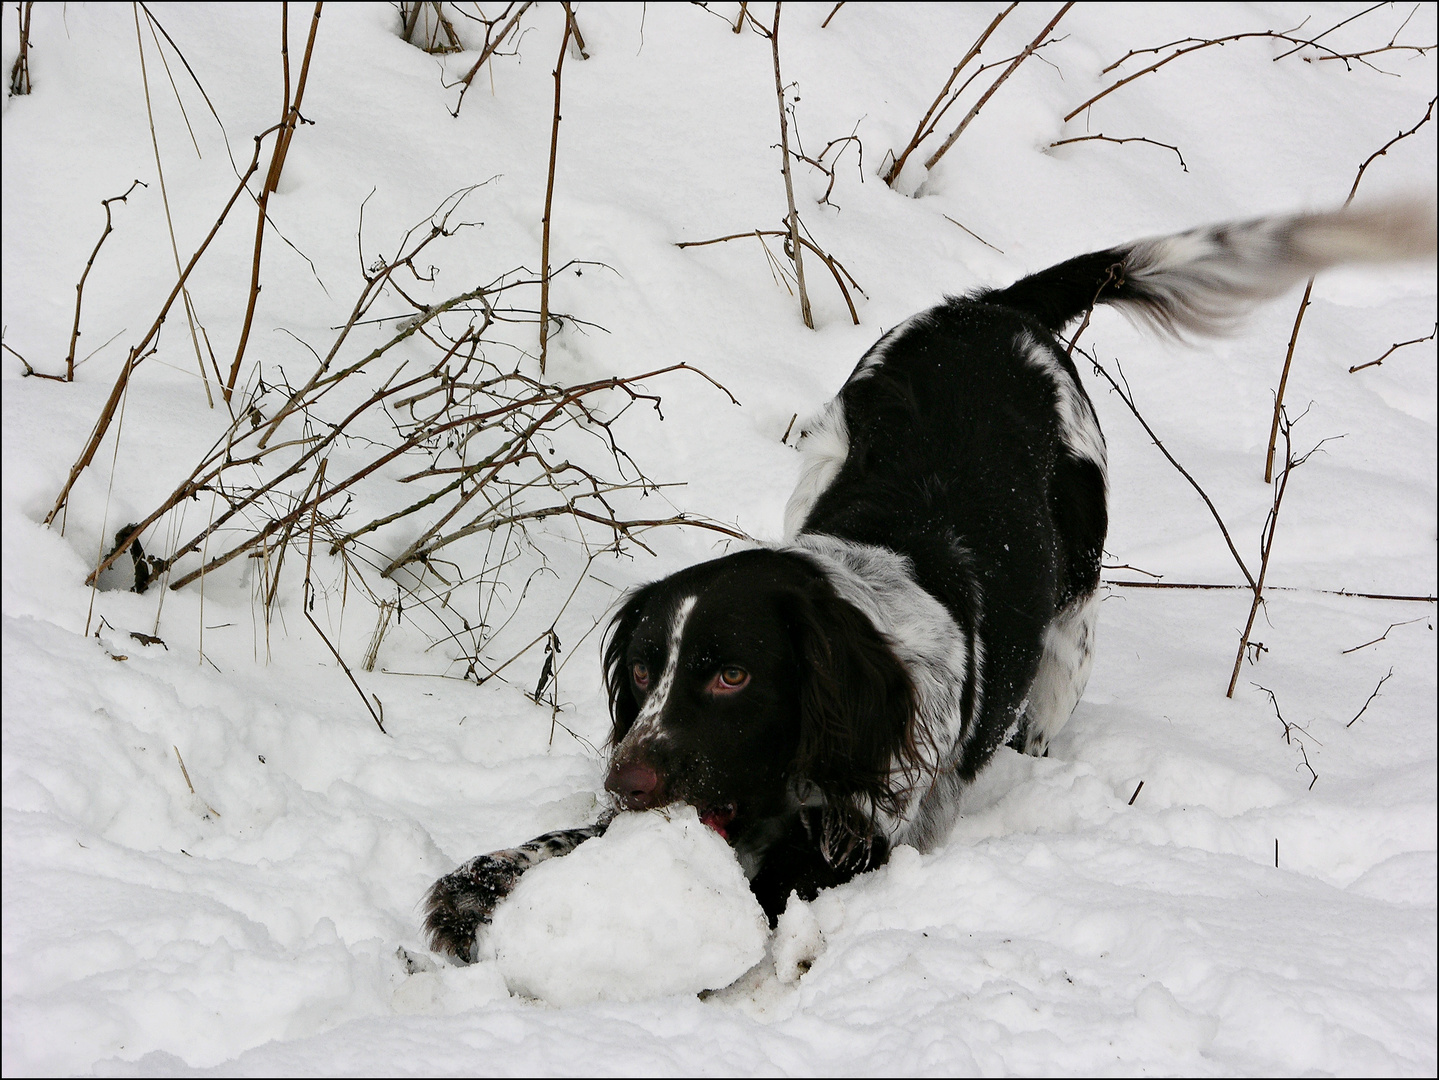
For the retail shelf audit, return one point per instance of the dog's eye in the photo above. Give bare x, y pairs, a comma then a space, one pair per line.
641, 675
728, 680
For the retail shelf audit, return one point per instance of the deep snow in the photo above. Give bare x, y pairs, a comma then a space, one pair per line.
1068, 926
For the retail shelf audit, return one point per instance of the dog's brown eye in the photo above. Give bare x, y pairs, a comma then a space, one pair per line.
641, 675
728, 680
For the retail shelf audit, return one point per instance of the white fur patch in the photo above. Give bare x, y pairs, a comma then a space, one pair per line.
879, 351
825, 445
934, 651
1063, 672
1078, 426
646, 728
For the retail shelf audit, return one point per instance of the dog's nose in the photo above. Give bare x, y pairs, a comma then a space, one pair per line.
637, 786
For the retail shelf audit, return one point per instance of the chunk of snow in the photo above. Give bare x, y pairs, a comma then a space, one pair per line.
798, 941
658, 905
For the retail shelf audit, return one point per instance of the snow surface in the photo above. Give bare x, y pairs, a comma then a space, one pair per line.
1234, 917
656, 906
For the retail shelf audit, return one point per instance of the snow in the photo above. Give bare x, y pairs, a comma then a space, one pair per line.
246, 914
656, 906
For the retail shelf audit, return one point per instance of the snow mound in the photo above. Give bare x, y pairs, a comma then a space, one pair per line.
658, 905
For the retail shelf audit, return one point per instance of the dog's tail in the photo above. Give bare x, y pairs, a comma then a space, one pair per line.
1202, 281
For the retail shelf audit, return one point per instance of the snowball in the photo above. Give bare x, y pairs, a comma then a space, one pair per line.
658, 905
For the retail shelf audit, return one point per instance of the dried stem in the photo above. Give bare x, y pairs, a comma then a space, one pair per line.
140, 351
489, 49
1128, 399
576, 38
833, 12
20, 71
1266, 540
1021, 58
1284, 382
549, 198
309, 604
926, 124
1383, 636
795, 245
1271, 588
80, 285
1188, 45
1372, 696
836, 268
190, 319
1395, 348
290, 117
1126, 139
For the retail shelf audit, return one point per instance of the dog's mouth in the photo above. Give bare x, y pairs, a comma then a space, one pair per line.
718, 818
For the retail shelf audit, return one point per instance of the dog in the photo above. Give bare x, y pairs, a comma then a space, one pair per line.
822, 700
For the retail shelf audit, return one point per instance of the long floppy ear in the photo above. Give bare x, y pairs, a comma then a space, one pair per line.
623, 706
857, 710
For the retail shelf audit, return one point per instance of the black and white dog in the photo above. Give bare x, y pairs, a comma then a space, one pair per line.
825, 699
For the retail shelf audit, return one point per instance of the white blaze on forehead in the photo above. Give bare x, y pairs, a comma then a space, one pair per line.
646, 726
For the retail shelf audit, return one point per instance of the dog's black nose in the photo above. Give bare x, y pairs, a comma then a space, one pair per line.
637, 786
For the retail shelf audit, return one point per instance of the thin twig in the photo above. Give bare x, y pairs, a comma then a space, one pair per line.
836, 268
1129, 401
1266, 539
1395, 348
139, 352
186, 774
795, 252
80, 285
1126, 139
289, 119
549, 199
1021, 58
309, 602
1372, 696
165, 201
488, 51
974, 234
1271, 588
1188, 45
832, 14
20, 70
923, 129
1382, 636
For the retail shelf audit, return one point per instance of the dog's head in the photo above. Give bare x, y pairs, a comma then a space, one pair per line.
747, 687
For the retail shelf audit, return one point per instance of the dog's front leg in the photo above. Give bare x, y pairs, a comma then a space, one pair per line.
461, 904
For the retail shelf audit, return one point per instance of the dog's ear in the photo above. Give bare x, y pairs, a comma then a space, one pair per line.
623, 706
857, 709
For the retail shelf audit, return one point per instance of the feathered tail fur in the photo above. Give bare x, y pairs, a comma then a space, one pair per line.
1202, 281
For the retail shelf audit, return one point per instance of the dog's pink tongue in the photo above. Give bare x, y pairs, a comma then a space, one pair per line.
718, 820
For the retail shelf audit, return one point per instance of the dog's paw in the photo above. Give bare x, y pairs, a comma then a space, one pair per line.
461, 904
